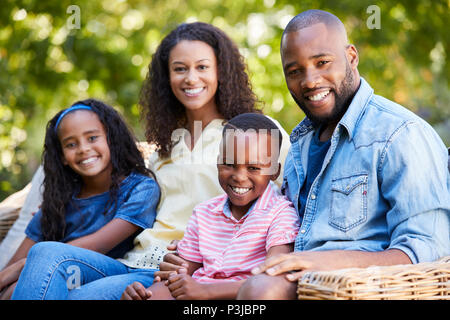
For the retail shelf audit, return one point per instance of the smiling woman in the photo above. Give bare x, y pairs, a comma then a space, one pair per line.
205, 58
193, 80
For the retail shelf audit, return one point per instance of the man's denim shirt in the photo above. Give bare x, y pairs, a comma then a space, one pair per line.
384, 183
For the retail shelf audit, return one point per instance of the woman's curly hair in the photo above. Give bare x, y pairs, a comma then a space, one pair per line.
61, 183
164, 113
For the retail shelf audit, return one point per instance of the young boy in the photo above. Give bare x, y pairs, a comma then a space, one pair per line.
229, 235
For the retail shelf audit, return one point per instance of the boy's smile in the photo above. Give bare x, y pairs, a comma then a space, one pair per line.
240, 190
244, 168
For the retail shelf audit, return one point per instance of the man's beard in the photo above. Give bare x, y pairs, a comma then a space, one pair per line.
343, 97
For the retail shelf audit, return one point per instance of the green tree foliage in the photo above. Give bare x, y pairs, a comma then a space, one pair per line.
45, 65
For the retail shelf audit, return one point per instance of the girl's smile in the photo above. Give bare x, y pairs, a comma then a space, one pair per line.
85, 147
89, 162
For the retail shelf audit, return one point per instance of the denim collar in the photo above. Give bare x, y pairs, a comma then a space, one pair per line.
351, 117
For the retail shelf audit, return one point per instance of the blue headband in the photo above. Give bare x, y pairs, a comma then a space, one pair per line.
72, 108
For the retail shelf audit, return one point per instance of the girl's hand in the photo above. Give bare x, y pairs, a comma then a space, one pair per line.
11, 273
39, 207
183, 287
136, 291
173, 245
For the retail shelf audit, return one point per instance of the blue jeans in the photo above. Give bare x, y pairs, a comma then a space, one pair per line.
58, 271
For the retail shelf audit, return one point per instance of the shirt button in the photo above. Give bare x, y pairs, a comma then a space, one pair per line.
302, 231
313, 197
236, 228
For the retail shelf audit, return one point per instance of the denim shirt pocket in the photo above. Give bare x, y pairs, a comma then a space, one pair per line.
348, 201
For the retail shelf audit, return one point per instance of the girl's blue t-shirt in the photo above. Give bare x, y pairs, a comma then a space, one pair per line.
138, 198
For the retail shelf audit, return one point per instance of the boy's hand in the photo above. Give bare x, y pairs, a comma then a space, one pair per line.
183, 287
136, 291
171, 263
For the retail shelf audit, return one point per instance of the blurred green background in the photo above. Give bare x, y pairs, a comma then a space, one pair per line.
45, 65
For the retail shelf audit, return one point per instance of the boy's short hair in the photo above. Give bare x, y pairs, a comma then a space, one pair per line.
253, 121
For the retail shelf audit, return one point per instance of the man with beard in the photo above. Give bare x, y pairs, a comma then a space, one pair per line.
368, 178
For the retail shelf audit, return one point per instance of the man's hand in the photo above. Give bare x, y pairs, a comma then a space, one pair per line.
183, 287
172, 263
136, 291
295, 264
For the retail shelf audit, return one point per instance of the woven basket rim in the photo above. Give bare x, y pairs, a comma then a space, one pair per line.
427, 280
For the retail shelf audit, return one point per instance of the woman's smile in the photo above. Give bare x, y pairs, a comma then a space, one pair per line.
193, 75
194, 92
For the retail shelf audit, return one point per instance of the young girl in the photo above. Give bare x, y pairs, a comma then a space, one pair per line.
98, 194
196, 80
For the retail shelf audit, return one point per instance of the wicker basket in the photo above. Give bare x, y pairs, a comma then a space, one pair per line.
427, 280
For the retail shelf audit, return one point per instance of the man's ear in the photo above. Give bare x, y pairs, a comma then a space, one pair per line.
275, 175
352, 56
